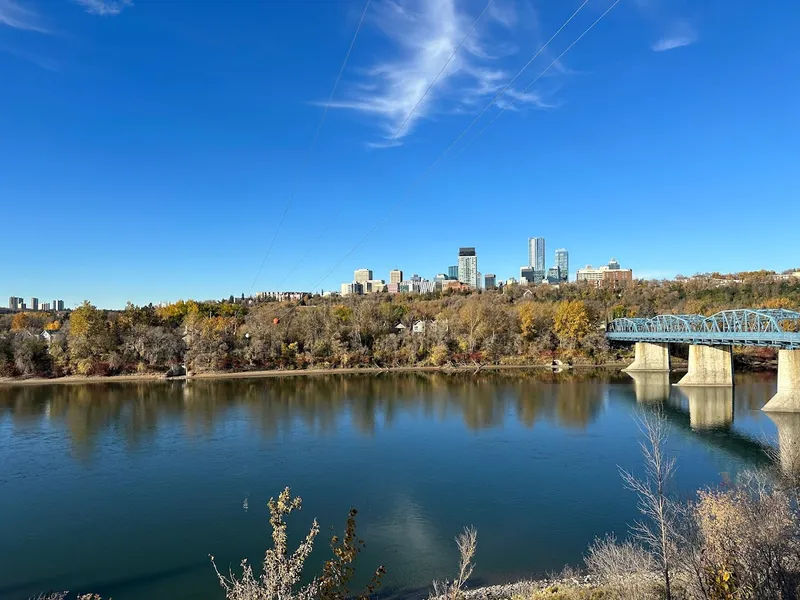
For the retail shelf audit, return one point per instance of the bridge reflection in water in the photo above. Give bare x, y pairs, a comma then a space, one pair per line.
710, 407
788, 425
710, 410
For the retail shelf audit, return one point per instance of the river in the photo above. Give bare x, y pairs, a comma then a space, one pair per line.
124, 489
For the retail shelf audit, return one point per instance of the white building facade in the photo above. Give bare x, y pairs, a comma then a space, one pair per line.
536, 253
468, 267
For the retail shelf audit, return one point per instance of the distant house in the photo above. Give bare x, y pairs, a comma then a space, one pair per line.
429, 326
400, 328
51, 336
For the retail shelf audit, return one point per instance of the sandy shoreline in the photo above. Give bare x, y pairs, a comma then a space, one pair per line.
144, 377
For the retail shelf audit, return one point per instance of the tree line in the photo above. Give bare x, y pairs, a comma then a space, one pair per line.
520, 325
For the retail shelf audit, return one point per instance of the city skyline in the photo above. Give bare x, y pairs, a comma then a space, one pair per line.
33, 304
467, 274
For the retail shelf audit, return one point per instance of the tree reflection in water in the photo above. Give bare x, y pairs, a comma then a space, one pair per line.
319, 403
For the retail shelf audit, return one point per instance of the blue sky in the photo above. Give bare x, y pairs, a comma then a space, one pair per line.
149, 147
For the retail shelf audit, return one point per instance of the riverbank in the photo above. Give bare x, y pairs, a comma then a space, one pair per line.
144, 377
578, 587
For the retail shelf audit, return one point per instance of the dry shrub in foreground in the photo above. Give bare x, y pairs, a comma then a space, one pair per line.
657, 532
741, 542
627, 570
749, 542
281, 572
467, 543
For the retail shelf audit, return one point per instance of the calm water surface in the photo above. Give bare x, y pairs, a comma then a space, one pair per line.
125, 489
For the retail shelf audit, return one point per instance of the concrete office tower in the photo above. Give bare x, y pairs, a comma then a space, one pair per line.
610, 274
536, 253
351, 289
362, 275
34, 303
374, 286
395, 276
562, 262
468, 267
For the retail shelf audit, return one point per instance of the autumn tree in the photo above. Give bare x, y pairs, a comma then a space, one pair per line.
7, 355
175, 313
90, 341
210, 342
470, 316
137, 315
780, 302
30, 355
29, 320
572, 322
535, 319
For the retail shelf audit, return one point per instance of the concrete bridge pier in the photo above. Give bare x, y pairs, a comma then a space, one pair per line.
650, 357
788, 397
709, 366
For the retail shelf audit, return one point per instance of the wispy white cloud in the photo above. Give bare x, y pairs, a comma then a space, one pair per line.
12, 14
677, 32
106, 8
387, 143
423, 35
512, 99
671, 42
505, 14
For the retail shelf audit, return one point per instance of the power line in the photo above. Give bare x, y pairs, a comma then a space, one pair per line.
539, 76
399, 130
311, 147
463, 133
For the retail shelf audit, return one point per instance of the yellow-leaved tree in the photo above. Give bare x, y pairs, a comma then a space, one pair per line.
535, 319
89, 339
572, 322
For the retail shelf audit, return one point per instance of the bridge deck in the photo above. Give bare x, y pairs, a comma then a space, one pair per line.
788, 341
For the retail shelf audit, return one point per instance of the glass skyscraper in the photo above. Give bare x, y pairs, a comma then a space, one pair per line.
452, 272
536, 253
562, 262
